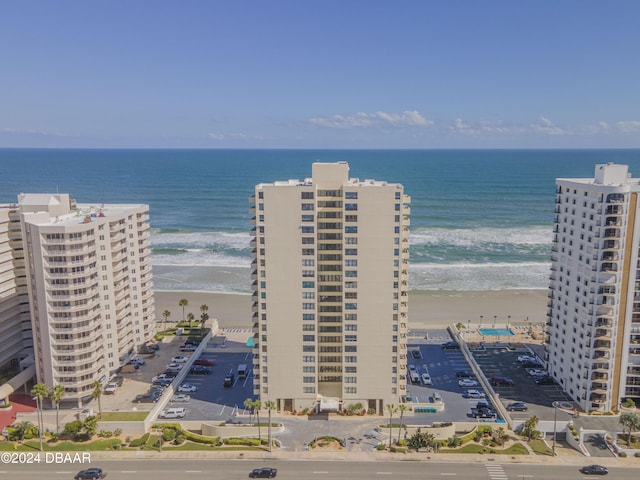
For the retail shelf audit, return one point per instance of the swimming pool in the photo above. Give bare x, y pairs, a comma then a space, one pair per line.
249, 342
496, 332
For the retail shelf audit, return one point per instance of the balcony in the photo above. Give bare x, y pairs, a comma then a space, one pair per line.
602, 345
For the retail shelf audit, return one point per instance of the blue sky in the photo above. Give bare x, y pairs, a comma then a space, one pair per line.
320, 74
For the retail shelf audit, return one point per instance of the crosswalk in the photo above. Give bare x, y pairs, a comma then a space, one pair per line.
496, 472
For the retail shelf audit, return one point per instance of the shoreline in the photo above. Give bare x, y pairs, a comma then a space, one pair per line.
426, 308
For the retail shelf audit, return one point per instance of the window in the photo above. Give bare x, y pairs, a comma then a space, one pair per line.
308, 295
308, 338
308, 316
351, 240
308, 306
397, 195
308, 251
351, 229
309, 359
350, 359
351, 206
351, 273
350, 390
308, 379
308, 348
309, 369
351, 251
351, 195
307, 218
350, 379
351, 328
307, 241
308, 284
351, 306
308, 327
307, 206
308, 389
306, 195
307, 273
351, 263
350, 338
306, 229
308, 263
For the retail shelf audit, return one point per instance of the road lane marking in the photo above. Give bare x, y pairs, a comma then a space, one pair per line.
384, 473
320, 472
448, 474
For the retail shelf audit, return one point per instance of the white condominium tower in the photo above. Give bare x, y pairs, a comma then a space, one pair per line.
593, 336
90, 287
330, 282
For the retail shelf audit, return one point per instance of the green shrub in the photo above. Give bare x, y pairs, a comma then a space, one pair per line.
200, 438
454, 442
249, 442
179, 440
380, 447
622, 454
138, 442
169, 434
637, 455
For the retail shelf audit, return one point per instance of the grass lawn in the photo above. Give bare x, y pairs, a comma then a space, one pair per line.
515, 449
539, 447
123, 416
34, 445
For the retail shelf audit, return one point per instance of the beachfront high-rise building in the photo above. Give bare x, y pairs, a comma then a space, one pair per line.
330, 283
89, 282
593, 326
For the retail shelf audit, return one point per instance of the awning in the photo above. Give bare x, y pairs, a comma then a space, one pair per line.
16, 382
329, 404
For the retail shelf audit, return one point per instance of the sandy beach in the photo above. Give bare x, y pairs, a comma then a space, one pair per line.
425, 308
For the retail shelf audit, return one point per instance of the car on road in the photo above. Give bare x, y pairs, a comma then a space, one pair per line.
179, 359
474, 394
426, 379
90, 474
188, 388
517, 407
547, 380
263, 473
200, 370
137, 361
416, 354
228, 380
501, 382
207, 362
450, 346
464, 374
536, 372
173, 413
467, 382
183, 398
594, 470
110, 388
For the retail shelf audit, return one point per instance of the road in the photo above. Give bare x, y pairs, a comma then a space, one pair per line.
195, 469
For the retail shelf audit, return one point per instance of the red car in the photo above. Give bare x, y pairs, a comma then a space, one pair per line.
207, 362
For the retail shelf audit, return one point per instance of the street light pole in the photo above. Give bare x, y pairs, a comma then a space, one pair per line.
555, 419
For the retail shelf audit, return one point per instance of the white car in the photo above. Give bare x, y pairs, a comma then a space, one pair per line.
475, 394
173, 413
526, 358
174, 366
186, 387
412, 368
181, 398
467, 382
536, 372
110, 388
426, 379
179, 359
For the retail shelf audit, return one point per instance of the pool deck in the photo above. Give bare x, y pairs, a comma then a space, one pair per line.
524, 335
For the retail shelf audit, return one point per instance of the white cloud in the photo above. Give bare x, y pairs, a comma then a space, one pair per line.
410, 118
629, 126
548, 127
460, 126
235, 136
38, 133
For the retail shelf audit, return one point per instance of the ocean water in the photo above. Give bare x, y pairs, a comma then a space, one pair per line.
480, 219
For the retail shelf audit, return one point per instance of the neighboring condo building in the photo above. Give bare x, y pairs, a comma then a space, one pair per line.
593, 336
90, 287
330, 283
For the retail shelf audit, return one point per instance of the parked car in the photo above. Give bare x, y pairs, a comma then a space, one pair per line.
110, 388
179, 359
412, 368
450, 346
200, 370
483, 413
186, 387
536, 372
547, 380
474, 394
162, 376
228, 380
188, 348
436, 398
517, 407
90, 474
175, 366
527, 358
164, 382
501, 382
137, 361
594, 470
207, 362
183, 398
465, 374
263, 473
467, 382
173, 413
147, 398
118, 380
426, 379
416, 354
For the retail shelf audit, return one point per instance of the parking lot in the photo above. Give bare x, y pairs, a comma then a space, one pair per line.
211, 400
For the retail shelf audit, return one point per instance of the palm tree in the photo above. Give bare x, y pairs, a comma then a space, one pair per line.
190, 317
56, 394
204, 315
257, 405
183, 303
391, 408
39, 391
248, 403
96, 394
21, 428
270, 405
631, 422
401, 408
166, 314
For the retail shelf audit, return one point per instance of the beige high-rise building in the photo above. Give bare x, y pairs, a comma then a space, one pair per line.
90, 287
593, 327
330, 283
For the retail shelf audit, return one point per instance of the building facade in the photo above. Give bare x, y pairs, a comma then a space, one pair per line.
330, 283
593, 325
89, 283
